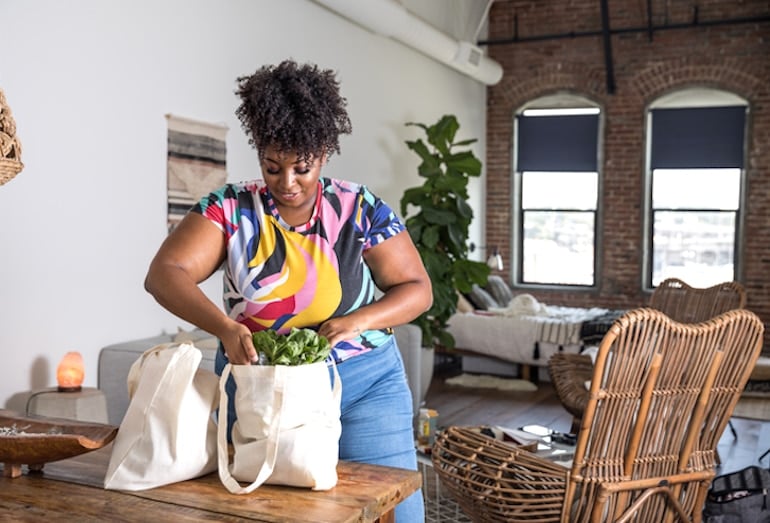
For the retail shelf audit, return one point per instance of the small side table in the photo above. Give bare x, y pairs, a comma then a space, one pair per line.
87, 404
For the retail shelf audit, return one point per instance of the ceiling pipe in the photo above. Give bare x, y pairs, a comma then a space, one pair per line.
390, 18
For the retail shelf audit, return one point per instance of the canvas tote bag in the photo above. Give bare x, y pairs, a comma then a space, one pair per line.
288, 427
169, 432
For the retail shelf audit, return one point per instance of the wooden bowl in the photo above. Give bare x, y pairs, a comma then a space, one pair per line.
36, 440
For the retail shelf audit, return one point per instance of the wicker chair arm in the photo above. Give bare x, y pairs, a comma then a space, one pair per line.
497, 481
569, 374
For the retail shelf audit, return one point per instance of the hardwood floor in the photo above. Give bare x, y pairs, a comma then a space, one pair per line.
466, 406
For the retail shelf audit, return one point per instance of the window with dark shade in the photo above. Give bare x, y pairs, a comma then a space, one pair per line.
557, 195
695, 181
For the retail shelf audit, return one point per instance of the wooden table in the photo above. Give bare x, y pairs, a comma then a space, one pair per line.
72, 489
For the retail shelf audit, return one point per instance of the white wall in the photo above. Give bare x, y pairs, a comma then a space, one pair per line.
89, 83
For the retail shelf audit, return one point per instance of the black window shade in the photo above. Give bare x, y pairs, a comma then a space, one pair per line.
698, 138
558, 143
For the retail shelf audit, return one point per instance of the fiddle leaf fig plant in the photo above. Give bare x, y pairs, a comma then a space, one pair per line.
439, 227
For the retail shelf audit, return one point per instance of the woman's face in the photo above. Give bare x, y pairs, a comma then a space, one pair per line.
293, 183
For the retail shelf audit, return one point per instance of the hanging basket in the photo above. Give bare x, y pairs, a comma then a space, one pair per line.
10, 148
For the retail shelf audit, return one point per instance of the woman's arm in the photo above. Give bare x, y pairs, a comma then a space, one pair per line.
398, 271
188, 256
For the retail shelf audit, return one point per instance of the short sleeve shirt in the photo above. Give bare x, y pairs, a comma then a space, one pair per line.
277, 276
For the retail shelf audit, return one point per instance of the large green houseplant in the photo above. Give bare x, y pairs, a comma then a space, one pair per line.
439, 227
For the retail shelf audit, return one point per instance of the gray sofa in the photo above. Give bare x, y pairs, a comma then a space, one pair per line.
116, 360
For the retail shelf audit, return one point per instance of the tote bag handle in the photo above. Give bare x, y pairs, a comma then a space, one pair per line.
271, 451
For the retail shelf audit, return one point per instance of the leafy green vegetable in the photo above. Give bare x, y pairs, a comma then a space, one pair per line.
298, 347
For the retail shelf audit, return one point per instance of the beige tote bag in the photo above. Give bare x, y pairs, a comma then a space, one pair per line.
169, 432
288, 427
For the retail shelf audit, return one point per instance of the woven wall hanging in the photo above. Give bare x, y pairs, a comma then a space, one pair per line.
10, 148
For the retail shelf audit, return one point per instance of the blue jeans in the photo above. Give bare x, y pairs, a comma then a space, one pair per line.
376, 416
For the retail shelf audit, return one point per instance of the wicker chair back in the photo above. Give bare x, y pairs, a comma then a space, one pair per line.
679, 301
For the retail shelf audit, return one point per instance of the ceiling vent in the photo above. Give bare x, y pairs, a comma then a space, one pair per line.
469, 54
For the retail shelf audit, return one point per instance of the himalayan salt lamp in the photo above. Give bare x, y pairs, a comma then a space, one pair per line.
70, 372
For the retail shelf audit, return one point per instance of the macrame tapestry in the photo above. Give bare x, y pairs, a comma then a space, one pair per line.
10, 148
196, 163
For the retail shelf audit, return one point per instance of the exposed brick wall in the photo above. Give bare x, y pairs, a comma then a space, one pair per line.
734, 57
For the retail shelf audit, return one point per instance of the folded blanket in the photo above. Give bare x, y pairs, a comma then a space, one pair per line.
593, 330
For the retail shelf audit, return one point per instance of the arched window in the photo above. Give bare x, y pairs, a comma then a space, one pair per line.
696, 151
556, 188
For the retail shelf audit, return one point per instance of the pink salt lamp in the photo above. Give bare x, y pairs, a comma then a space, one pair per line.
70, 372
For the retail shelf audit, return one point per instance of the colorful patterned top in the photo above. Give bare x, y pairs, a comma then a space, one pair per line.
277, 276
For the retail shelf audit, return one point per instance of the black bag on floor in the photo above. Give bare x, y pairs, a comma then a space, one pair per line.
739, 497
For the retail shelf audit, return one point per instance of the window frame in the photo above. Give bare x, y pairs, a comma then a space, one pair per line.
691, 97
560, 100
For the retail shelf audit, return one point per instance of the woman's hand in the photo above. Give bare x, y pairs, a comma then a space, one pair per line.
339, 329
238, 344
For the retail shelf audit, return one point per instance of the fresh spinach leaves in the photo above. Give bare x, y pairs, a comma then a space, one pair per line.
298, 347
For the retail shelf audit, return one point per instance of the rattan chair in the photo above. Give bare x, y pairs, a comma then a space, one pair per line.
570, 372
661, 394
686, 304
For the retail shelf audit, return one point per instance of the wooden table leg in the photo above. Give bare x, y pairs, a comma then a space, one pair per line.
11, 470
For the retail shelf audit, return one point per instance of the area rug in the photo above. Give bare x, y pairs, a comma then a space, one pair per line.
484, 381
439, 507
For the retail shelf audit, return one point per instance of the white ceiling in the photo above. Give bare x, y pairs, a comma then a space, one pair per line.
445, 30
464, 20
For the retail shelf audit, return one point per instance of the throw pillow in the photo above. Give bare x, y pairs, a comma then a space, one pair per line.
482, 299
497, 287
463, 305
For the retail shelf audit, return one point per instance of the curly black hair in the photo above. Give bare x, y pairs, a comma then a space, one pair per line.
295, 108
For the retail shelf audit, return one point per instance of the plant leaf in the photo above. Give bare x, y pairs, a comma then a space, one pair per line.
438, 216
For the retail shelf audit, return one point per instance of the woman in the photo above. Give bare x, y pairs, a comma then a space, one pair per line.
301, 250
